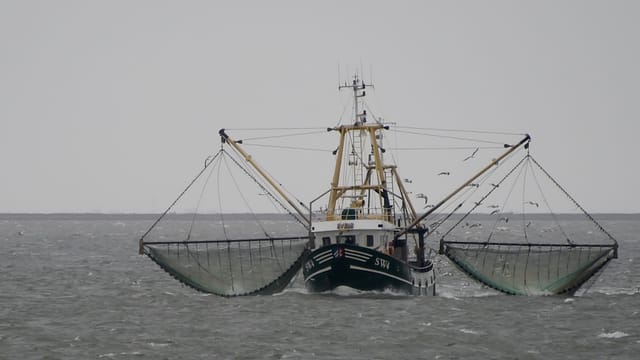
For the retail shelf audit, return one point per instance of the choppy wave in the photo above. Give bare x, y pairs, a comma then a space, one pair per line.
613, 335
129, 309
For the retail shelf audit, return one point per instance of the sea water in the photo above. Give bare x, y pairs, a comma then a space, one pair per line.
74, 287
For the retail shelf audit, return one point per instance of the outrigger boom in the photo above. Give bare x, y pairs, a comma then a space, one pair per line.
360, 239
416, 224
235, 145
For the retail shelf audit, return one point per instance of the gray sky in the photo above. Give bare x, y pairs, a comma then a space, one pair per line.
111, 106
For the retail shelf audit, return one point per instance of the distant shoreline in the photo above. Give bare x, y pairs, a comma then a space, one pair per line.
262, 216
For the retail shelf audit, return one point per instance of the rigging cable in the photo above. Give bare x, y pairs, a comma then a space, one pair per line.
461, 131
451, 137
483, 198
285, 135
244, 199
180, 196
575, 202
253, 177
553, 214
204, 186
510, 192
287, 147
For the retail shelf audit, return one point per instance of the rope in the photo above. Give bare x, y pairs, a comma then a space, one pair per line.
224, 228
288, 147
276, 129
447, 148
263, 188
482, 200
244, 199
206, 165
495, 224
285, 135
524, 190
452, 137
195, 213
575, 202
460, 130
553, 214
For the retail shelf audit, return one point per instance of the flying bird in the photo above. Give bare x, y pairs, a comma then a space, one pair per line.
494, 212
505, 219
493, 206
422, 196
495, 185
474, 185
472, 155
408, 181
445, 173
533, 203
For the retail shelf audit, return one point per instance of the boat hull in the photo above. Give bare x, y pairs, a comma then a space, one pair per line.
365, 269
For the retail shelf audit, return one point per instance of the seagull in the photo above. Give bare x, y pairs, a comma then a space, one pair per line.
495, 185
445, 173
532, 203
494, 212
428, 206
472, 155
506, 219
408, 181
474, 185
493, 206
422, 196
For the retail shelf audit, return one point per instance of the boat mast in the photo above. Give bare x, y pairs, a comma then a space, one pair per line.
361, 183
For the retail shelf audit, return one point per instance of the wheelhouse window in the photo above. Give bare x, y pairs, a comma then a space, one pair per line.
326, 241
346, 239
369, 240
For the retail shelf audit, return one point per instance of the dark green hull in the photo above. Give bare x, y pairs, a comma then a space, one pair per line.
363, 269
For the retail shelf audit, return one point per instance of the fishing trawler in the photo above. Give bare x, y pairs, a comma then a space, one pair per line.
369, 235
362, 241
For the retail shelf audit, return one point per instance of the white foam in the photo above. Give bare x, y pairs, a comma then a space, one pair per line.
159, 345
618, 291
293, 290
613, 335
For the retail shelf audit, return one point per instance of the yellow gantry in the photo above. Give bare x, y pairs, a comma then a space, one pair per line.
338, 190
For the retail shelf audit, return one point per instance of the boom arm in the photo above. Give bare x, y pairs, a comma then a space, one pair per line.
513, 148
235, 145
